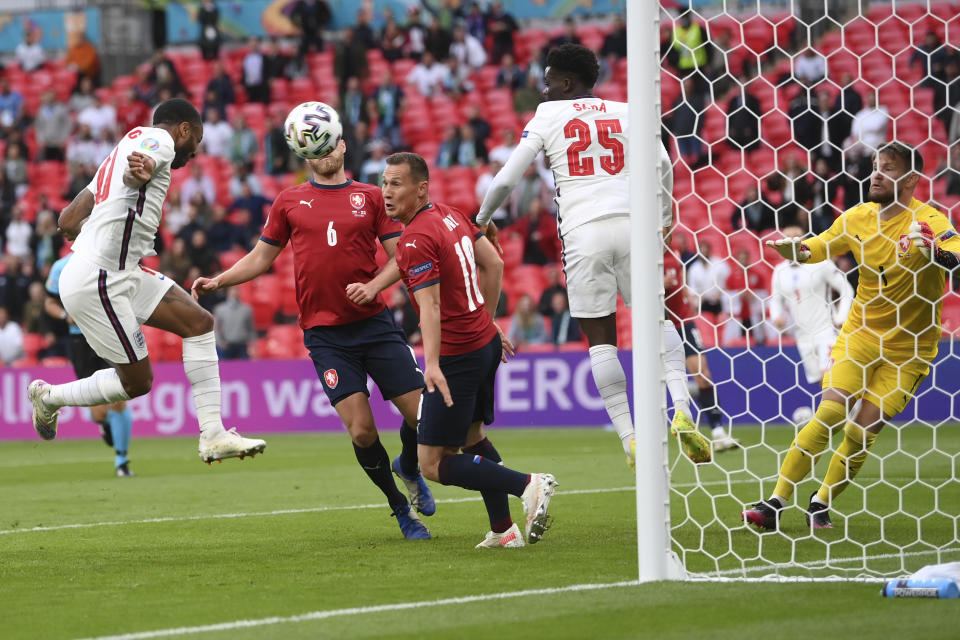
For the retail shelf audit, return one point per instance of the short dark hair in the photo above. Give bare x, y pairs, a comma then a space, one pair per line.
176, 110
418, 166
909, 155
576, 60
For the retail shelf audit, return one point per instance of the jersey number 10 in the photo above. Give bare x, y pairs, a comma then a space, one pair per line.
580, 131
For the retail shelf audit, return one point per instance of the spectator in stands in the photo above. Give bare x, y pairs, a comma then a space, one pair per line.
310, 18
868, 131
502, 25
467, 149
481, 128
175, 262
527, 326
254, 77
949, 95
18, 234
747, 291
687, 53
501, 217
217, 135
29, 53
34, 315
82, 96
274, 62
932, 56
11, 108
372, 170
437, 40
82, 57
243, 143
80, 177
538, 230
685, 122
233, 325
358, 145
219, 91
797, 194
15, 167
201, 255
135, 113
208, 17
417, 34
362, 30
528, 97
198, 183
251, 199
175, 211
785, 211
552, 274
389, 101
530, 187
569, 36
615, 42
7, 199
953, 171
510, 75
46, 242
508, 142
476, 22
809, 67
392, 42
11, 338
564, 327
449, 145
349, 59
352, 104
164, 74
428, 76
100, 117
754, 213
405, 315
223, 235
467, 51
15, 284
847, 105
706, 278
51, 127
275, 149
457, 81
743, 118
145, 89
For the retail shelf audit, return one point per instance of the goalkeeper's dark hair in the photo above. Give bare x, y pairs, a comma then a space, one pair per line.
176, 110
576, 60
418, 166
911, 157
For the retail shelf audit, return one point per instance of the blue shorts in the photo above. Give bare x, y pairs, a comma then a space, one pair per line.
692, 344
470, 377
344, 354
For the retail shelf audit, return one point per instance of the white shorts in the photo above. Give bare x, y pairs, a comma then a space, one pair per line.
109, 306
815, 354
596, 262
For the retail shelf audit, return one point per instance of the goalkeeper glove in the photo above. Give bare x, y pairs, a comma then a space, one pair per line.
922, 237
791, 249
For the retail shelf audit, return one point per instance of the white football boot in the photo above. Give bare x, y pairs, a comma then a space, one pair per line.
228, 444
45, 419
509, 539
536, 500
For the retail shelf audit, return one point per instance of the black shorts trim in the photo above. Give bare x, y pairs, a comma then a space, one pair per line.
112, 316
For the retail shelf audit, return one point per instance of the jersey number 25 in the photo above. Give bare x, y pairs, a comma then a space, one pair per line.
579, 131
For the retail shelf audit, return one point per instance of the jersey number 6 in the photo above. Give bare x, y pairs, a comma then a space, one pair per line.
580, 130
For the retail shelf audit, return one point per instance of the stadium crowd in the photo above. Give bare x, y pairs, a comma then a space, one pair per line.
456, 86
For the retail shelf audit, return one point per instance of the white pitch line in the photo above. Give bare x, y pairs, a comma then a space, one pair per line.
824, 565
352, 611
258, 514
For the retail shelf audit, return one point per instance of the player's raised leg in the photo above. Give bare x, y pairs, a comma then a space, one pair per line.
180, 314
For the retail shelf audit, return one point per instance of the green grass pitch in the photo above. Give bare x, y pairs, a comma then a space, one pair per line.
300, 531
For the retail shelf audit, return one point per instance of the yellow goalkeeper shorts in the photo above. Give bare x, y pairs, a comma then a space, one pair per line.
885, 378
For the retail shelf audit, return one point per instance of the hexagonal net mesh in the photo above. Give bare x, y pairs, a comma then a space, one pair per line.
773, 117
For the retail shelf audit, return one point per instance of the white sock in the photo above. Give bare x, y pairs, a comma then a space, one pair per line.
203, 371
719, 433
612, 383
103, 387
675, 370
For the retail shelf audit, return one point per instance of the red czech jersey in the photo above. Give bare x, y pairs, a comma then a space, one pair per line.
676, 301
333, 232
437, 248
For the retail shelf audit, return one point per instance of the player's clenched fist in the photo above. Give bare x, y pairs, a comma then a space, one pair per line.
141, 166
791, 249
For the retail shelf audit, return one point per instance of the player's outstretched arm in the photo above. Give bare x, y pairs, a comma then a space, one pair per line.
247, 268
366, 292
428, 299
75, 214
793, 249
505, 181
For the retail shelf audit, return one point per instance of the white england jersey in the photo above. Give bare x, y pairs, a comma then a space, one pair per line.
803, 293
586, 142
124, 221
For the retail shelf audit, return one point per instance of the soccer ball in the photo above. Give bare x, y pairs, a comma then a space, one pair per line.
802, 415
313, 130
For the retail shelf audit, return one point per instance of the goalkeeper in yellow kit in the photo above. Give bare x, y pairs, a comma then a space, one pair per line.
905, 249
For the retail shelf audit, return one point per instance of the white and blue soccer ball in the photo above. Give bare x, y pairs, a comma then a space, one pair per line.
313, 130
801, 416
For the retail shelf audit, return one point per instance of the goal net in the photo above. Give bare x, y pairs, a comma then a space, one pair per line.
771, 115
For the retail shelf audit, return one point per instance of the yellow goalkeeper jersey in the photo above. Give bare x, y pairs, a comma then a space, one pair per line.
899, 296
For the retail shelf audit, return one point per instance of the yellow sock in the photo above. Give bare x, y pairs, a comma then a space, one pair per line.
809, 443
846, 462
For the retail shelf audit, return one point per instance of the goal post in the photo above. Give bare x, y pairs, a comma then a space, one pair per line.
902, 511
